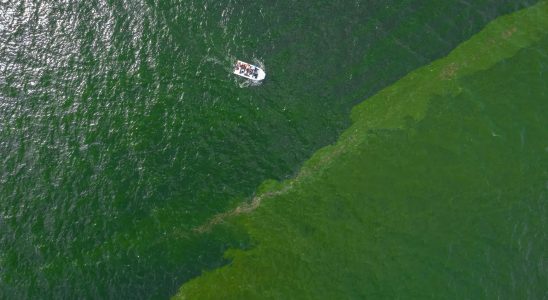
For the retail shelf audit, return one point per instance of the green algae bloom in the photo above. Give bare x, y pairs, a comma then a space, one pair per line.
438, 189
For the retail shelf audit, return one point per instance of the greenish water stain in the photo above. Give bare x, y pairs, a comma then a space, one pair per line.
438, 189
121, 127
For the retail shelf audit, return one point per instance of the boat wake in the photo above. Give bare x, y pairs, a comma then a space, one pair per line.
249, 83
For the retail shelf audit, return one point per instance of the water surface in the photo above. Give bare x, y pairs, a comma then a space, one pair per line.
121, 127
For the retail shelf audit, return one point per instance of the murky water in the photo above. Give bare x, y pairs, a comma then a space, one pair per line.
121, 126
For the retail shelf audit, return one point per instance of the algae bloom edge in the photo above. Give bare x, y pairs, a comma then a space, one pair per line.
393, 107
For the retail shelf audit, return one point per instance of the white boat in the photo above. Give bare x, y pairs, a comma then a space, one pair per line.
249, 71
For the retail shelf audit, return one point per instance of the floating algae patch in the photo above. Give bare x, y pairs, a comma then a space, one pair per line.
438, 190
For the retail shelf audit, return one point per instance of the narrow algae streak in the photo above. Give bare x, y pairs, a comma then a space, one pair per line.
437, 190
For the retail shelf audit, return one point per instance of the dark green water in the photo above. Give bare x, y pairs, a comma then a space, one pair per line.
121, 127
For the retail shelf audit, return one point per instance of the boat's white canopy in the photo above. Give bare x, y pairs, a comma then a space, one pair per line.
249, 71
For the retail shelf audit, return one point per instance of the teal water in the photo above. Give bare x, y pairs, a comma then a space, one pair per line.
121, 127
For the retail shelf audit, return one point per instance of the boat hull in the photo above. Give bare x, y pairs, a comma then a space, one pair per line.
249, 71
